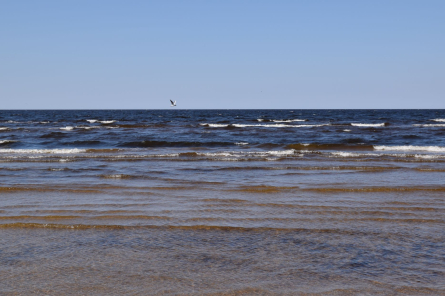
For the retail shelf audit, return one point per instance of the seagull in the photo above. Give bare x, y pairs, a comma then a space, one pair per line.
173, 103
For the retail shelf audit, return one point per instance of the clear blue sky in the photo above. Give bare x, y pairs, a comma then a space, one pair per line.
222, 54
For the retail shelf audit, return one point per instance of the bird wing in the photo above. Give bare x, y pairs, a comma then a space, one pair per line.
172, 102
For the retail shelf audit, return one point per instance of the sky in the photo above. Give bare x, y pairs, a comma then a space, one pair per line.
231, 54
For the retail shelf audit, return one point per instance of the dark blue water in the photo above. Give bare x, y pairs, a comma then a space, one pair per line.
218, 128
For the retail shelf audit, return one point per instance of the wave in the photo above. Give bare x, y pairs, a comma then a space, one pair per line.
316, 168
347, 147
280, 120
214, 124
7, 142
411, 148
329, 147
262, 125
67, 128
439, 119
143, 144
289, 120
429, 125
100, 121
105, 150
70, 128
237, 154
4, 128
368, 124
87, 127
39, 151
343, 154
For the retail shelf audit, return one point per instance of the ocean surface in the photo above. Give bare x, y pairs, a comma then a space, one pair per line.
222, 202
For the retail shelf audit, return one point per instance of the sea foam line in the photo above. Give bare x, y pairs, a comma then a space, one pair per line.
430, 125
67, 128
411, 148
401, 155
262, 125
368, 124
101, 121
38, 151
283, 120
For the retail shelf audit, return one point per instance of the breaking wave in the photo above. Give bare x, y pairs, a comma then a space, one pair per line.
39, 151
100, 121
430, 125
67, 128
368, 124
329, 147
143, 144
7, 142
262, 125
411, 148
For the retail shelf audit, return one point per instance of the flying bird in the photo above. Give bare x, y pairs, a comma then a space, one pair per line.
173, 103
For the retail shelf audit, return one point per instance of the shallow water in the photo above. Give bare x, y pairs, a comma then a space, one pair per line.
222, 202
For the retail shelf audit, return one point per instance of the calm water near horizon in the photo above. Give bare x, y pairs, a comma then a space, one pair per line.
222, 202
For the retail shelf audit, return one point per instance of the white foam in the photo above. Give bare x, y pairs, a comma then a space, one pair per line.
430, 125
3, 128
263, 125
241, 143
39, 151
214, 124
260, 119
67, 128
239, 154
398, 155
411, 148
289, 120
347, 130
213, 154
87, 127
116, 176
279, 125
368, 124
439, 119
103, 121
282, 152
7, 141
347, 154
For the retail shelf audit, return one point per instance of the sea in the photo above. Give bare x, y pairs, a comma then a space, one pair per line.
222, 202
